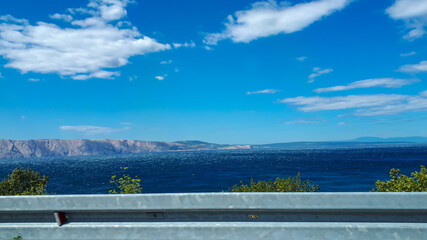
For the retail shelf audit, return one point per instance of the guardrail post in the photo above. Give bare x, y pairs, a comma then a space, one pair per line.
60, 218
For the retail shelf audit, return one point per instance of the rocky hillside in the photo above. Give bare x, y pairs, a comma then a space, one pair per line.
84, 147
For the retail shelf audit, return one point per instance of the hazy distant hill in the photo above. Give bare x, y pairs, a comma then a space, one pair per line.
390, 140
362, 142
84, 147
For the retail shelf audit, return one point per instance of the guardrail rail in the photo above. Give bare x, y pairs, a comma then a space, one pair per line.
296, 216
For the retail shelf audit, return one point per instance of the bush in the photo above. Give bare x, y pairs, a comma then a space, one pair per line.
24, 182
289, 184
403, 183
126, 184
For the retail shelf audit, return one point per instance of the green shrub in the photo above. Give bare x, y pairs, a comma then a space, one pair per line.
24, 182
289, 184
402, 183
126, 184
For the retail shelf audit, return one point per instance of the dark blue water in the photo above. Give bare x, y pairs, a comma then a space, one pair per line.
346, 170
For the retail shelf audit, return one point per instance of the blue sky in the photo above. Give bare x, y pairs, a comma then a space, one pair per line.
219, 71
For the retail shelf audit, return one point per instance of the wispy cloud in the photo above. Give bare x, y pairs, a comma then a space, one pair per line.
345, 102
408, 54
410, 104
318, 72
413, 13
166, 62
160, 78
93, 130
301, 59
88, 45
414, 68
131, 78
186, 44
265, 91
365, 105
267, 18
368, 83
34, 80
97, 74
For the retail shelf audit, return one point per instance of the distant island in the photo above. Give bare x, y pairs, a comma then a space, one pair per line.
93, 147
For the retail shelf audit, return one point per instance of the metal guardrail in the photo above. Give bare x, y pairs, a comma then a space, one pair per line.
216, 216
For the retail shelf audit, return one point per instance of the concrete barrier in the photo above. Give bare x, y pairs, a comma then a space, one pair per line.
216, 216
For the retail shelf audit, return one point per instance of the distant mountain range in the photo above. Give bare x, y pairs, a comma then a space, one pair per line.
362, 142
85, 147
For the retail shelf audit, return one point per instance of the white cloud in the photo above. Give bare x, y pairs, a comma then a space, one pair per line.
131, 78
411, 104
34, 80
345, 102
267, 18
368, 83
318, 72
98, 74
265, 91
303, 58
9, 18
160, 78
408, 54
65, 17
92, 130
366, 105
1, 76
413, 13
414, 68
166, 62
186, 44
87, 48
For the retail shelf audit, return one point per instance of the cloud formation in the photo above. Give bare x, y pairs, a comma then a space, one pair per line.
408, 54
93, 42
368, 83
160, 78
414, 68
365, 105
93, 130
413, 13
301, 59
267, 18
318, 72
265, 91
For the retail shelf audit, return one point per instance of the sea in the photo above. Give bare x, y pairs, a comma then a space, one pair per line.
333, 170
